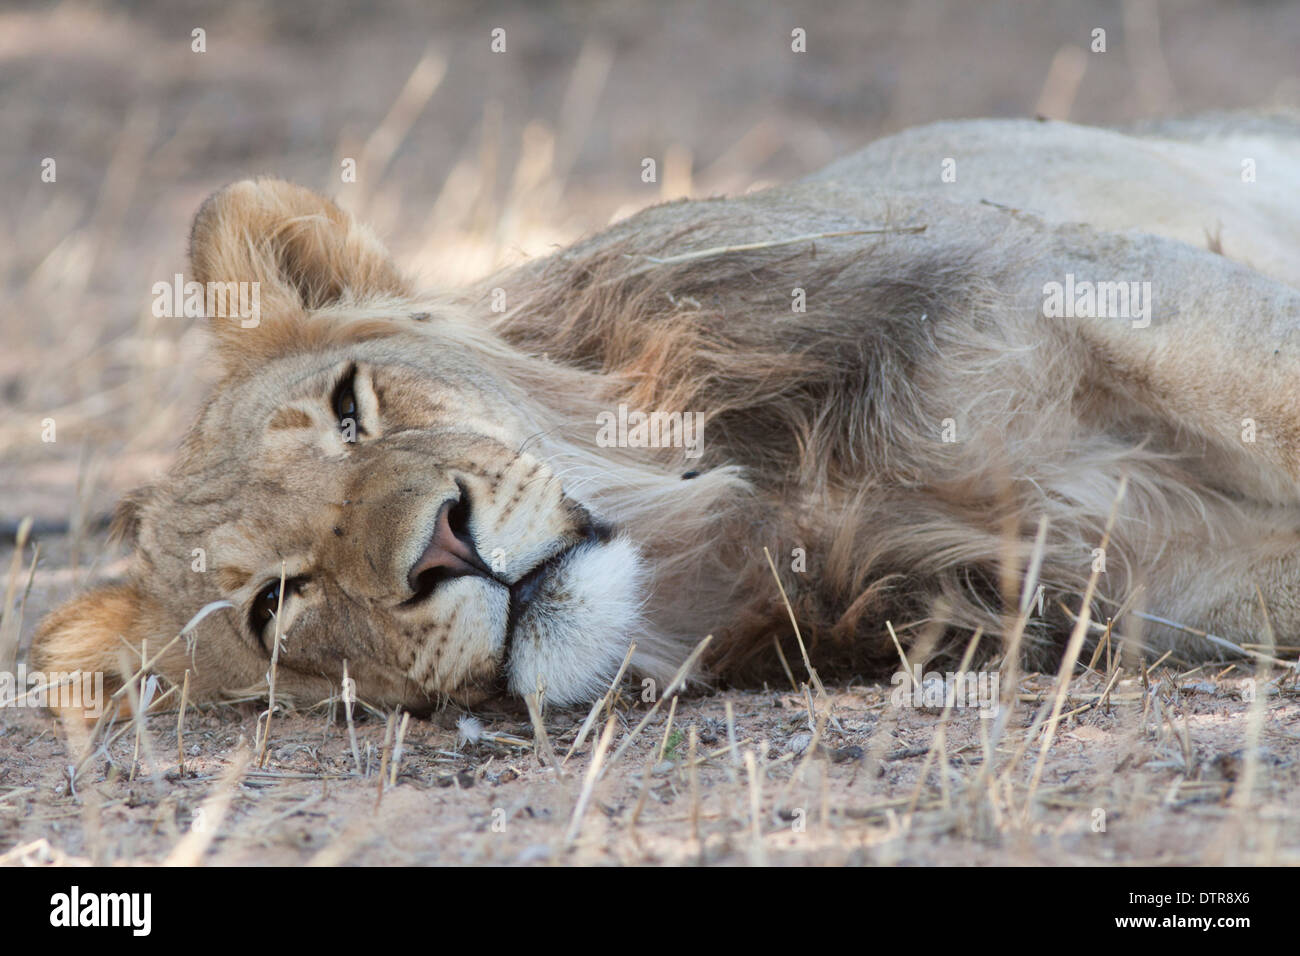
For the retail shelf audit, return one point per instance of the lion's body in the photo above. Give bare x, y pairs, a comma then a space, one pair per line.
895, 443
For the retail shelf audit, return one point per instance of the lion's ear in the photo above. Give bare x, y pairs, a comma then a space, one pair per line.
92, 633
302, 251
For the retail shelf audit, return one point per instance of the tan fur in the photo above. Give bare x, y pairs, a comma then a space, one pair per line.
823, 429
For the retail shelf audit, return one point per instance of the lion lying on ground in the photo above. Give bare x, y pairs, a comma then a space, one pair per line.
891, 375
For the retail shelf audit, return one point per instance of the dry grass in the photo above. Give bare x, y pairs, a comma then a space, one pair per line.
1182, 768
468, 163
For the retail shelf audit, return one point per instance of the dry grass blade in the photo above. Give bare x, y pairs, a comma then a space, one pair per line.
693, 772
144, 668
180, 725
540, 738
349, 695
758, 855
140, 698
1072, 650
731, 736
1062, 83
646, 775
714, 251
388, 136
397, 750
588, 722
717, 752
212, 813
937, 745
902, 656
803, 649
589, 781
1243, 792
390, 726
679, 679
1012, 643
1214, 639
605, 699
785, 664
1030, 585
271, 674
8, 614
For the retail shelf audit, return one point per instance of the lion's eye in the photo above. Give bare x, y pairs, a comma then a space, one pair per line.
344, 402
267, 603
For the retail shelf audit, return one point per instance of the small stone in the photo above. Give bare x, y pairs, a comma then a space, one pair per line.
847, 754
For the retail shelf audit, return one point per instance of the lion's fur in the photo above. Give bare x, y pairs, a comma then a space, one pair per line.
824, 428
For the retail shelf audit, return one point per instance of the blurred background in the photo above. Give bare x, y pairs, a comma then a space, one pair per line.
468, 159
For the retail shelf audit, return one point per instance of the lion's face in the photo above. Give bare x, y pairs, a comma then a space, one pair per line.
384, 475
416, 538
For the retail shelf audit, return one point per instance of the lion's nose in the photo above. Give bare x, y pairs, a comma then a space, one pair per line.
450, 552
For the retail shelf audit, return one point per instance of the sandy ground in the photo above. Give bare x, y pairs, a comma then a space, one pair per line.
1156, 777
486, 159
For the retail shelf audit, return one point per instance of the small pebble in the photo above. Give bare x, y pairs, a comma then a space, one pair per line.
846, 754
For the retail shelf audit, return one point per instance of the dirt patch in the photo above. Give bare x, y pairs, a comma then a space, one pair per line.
1158, 775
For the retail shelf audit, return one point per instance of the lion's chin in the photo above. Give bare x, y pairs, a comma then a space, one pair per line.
570, 640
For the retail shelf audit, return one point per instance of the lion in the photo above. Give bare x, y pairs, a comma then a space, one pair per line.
896, 394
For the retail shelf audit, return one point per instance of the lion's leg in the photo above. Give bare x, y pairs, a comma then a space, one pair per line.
1223, 583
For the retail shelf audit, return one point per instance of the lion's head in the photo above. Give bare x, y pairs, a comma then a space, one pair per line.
371, 459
